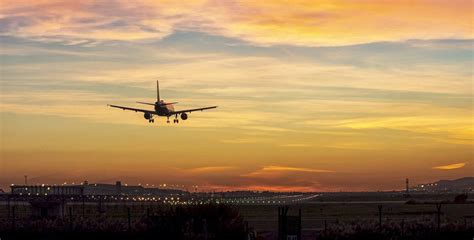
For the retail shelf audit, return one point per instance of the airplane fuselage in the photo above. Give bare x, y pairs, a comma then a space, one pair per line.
163, 109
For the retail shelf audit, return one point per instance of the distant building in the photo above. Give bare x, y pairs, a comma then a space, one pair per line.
102, 188
91, 189
47, 190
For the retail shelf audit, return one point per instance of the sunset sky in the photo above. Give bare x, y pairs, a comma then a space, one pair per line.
312, 95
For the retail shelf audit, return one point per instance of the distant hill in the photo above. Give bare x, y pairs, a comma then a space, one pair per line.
461, 184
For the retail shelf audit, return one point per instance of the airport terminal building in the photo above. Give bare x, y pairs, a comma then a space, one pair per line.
89, 189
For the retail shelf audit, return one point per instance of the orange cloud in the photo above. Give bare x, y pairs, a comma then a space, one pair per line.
272, 171
210, 169
294, 169
282, 178
327, 22
335, 22
450, 166
274, 188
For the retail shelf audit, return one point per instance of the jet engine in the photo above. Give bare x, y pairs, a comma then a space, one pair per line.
184, 116
148, 116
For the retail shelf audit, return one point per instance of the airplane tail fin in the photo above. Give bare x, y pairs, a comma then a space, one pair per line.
157, 91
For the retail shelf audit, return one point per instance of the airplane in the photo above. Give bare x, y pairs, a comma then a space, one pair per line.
162, 109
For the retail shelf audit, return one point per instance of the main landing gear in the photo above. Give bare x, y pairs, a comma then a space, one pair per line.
151, 120
176, 120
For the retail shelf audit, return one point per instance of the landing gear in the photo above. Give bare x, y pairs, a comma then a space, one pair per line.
176, 120
151, 120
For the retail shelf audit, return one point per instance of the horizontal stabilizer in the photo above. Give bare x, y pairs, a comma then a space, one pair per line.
168, 103
147, 103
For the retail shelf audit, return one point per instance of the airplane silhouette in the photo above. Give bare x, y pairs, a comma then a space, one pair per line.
162, 109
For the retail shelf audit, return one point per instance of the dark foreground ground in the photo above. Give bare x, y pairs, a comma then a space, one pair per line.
330, 216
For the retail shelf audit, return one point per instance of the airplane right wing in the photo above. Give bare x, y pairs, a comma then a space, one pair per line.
133, 109
192, 110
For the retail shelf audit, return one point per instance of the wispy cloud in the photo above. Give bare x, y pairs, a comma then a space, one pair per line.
241, 140
260, 22
295, 145
294, 169
450, 166
209, 169
267, 128
269, 187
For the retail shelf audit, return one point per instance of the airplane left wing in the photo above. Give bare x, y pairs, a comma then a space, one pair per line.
133, 109
192, 110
